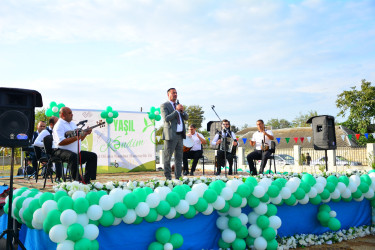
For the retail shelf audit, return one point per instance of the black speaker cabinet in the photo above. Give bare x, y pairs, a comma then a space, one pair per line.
324, 135
17, 116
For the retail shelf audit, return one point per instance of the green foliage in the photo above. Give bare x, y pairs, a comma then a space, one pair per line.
40, 115
195, 113
275, 123
300, 120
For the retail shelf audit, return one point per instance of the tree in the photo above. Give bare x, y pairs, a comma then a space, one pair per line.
360, 104
244, 126
40, 115
195, 113
278, 124
300, 121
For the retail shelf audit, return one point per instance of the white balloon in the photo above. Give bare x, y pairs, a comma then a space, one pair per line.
159, 217
228, 235
20, 212
336, 194
83, 219
36, 225
233, 184
68, 217
312, 193
172, 213
355, 179
191, 197
58, 233
255, 231
322, 180
244, 219
219, 203
244, 202
319, 187
352, 186
26, 193
234, 211
106, 202
332, 214
360, 198
142, 209
227, 193
369, 194
260, 243
209, 210
117, 194
259, 191
285, 193
275, 222
26, 202
153, 200
38, 195
222, 222
95, 212
346, 194
305, 200
91, 232
49, 206
261, 208
78, 194
182, 207
66, 245
162, 192
38, 216
55, 109
199, 189
277, 199
168, 246
253, 217
117, 221
130, 217
341, 186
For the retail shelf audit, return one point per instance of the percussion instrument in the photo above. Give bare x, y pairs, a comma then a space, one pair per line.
188, 144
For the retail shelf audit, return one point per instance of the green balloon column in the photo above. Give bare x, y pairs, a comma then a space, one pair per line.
154, 114
109, 114
54, 109
166, 240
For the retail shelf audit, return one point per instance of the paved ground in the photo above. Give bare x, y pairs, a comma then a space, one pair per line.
365, 243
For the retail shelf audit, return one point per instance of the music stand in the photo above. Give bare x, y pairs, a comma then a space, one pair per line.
10, 230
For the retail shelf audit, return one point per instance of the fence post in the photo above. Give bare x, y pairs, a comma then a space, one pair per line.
296, 154
161, 157
331, 154
371, 154
241, 152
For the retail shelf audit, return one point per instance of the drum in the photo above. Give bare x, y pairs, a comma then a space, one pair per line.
188, 143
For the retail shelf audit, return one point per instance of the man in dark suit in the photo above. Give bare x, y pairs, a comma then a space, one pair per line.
39, 128
173, 133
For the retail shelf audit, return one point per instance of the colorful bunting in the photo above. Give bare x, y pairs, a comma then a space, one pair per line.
302, 138
357, 136
373, 135
350, 137
287, 139
158, 137
343, 137
308, 138
278, 140
244, 140
295, 139
366, 135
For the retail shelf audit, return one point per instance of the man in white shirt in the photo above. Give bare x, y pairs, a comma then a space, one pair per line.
221, 152
195, 151
39, 128
262, 142
66, 148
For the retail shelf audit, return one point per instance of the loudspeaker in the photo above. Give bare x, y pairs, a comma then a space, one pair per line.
17, 116
324, 134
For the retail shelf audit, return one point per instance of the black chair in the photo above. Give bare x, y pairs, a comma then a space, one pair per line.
41, 158
202, 157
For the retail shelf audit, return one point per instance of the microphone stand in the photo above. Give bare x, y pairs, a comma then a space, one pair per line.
224, 141
79, 162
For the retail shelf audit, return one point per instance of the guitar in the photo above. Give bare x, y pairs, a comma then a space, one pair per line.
73, 133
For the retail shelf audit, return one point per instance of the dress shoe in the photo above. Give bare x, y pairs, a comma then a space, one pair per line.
217, 173
58, 180
230, 173
186, 172
191, 173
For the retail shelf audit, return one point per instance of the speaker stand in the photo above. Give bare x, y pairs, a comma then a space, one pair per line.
10, 232
325, 152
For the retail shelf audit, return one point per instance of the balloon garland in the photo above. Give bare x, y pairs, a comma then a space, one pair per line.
54, 109
164, 240
154, 114
109, 114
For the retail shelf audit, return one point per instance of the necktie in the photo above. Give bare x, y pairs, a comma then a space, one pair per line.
178, 120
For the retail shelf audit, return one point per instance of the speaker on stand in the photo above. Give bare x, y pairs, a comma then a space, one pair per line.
324, 134
17, 118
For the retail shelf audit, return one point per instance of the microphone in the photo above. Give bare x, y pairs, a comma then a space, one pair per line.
177, 102
81, 122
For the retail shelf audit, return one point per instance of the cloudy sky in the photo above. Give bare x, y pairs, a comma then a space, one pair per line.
251, 59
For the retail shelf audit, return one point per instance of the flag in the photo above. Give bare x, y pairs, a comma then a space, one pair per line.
343, 137
244, 140
302, 138
278, 140
308, 138
366, 135
295, 139
350, 137
287, 139
357, 136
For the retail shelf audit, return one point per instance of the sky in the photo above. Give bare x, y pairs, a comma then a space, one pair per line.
251, 59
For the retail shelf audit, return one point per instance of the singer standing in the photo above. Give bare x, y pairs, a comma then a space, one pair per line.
262, 141
174, 132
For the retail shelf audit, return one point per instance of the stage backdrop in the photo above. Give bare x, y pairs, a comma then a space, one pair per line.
127, 144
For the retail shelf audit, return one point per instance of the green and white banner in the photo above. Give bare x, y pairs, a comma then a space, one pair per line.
127, 144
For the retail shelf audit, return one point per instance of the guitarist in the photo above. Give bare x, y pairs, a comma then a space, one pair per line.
218, 140
66, 148
262, 142
195, 152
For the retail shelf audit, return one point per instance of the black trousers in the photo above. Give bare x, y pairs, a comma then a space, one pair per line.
195, 155
221, 161
90, 158
257, 155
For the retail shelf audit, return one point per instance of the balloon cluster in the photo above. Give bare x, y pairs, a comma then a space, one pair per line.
109, 114
74, 220
327, 218
154, 114
54, 109
165, 240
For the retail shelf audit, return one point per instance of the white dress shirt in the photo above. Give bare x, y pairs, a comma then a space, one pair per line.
58, 133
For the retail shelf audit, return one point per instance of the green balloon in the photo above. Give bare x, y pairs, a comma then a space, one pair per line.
155, 246
344, 179
334, 224
6, 208
163, 208
324, 207
316, 200
309, 179
34, 205
336, 200
372, 203
323, 216
65, 203
104, 115
244, 190
109, 120
348, 199
107, 219
32, 193
333, 179
138, 220
272, 245
180, 190
365, 178
20, 202
252, 180
176, 240
131, 201
187, 187
52, 219
222, 244
191, 213
357, 194
253, 201
239, 244
52, 104
83, 244
81, 205
140, 193
49, 112
271, 210
59, 194
330, 187
148, 190
93, 198
263, 222
95, 222
325, 194
265, 198
269, 233
101, 193
364, 187
28, 215
273, 191
299, 193
173, 199
152, 215
291, 200
234, 223
75, 232
250, 241
210, 195
94, 245
119, 210
163, 235
225, 208
236, 200
242, 233
305, 186
201, 205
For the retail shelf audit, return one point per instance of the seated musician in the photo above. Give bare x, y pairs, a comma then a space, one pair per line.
66, 148
195, 152
39, 128
262, 141
39, 143
231, 141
